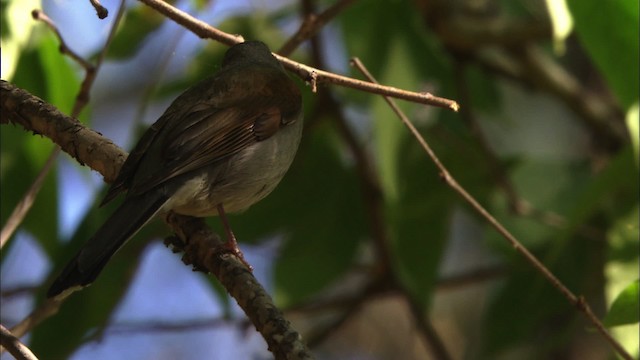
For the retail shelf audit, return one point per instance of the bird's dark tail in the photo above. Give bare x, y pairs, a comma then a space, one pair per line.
125, 222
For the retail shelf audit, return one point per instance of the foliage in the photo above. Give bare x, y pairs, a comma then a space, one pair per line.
516, 134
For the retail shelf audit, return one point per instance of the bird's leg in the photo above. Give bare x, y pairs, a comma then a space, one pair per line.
231, 245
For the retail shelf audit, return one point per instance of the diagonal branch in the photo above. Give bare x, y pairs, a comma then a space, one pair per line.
23, 207
307, 73
88, 147
15, 347
579, 302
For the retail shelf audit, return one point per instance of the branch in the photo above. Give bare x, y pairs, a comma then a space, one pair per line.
307, 73
425, 326
85, 145
88, 147
15, 347
23, 207
199, 245
578, 302
101, 11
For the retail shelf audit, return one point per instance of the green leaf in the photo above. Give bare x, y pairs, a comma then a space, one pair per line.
16, 22
625, 308
356, 21
527, 305
418, 222
19, 169
138, 23
25, 153
561, 23
317, 208
62, 82
609, 32
85, 314
633, 126
614, 188
623, 236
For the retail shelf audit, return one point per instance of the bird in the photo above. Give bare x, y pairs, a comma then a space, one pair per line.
221, 146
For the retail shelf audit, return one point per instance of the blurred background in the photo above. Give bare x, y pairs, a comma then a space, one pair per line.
369, 253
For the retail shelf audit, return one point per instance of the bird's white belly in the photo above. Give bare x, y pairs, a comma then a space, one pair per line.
242, 180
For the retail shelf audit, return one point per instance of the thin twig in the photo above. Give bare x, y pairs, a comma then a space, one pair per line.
49, 308
371, 188
517, 205
159, 326
578, 302
14, 346
101, 11
199, 243
431, 336
306, 73
83, 95
64, 49
46, 309
198, 27
24, 205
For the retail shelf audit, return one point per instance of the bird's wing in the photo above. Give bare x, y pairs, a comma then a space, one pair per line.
218, 122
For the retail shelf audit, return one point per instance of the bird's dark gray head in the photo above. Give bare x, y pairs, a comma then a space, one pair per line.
249, 51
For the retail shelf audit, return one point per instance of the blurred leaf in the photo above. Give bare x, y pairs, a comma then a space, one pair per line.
421, 218
527, 309
633, 126
209, 59
256, 26
625, 309
614, 189
62, 82
328, 223
138, 23
30, 74
389, 132
483, 91
623, 237
356, 21
408, 180
402, 54
561, 23
19, 169
424, 61
199, 4
419, 222
16, 24
27, 153
87, 312
318, 210
550, 186
609, 32
204, 64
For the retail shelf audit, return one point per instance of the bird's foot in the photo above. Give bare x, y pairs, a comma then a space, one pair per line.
231, 246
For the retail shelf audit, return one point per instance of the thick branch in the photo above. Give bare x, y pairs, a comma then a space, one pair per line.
283, 341
88, 147
83, 144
